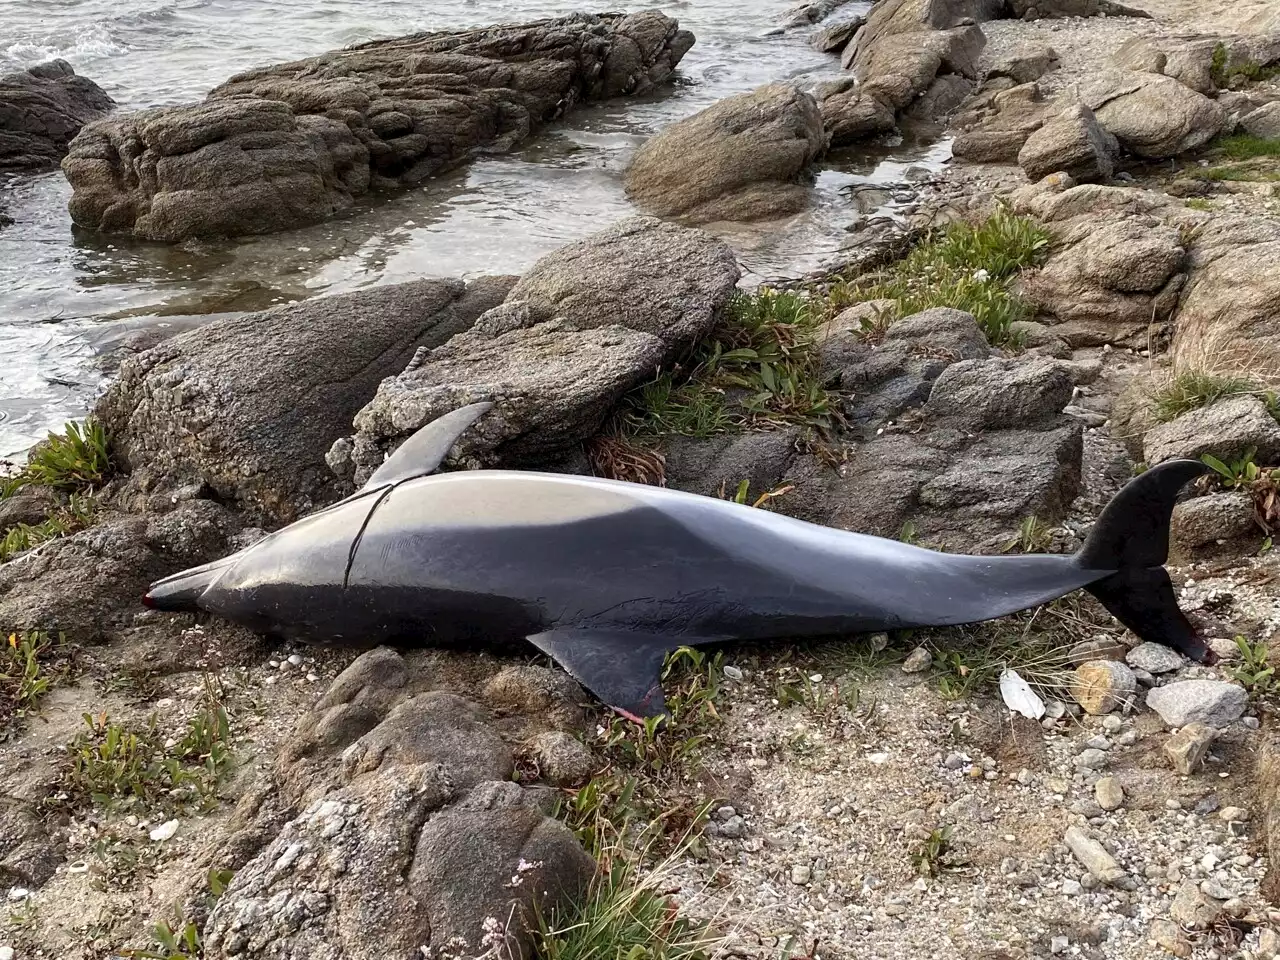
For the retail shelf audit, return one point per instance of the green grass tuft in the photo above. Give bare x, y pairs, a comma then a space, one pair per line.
969, 267
76, 515
1194, 389
111, 765
79, 459
759, 367
642, 791
1230, 76
1246, 146
1240, 174
1198, 203
30, 664
626, 915
1034, 536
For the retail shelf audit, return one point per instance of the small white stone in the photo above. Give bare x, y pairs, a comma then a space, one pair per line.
1072, 888
165, 831
312, 677
295, 660
1059, 945
800, 874
6, 953
732, 672
878, 758
19, 893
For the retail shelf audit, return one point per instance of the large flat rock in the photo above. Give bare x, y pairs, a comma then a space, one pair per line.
295, 143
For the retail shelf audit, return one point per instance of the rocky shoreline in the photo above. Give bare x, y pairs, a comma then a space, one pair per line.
1087, 291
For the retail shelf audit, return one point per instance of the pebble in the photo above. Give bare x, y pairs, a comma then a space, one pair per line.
6, 953
1059, 945
1211, 888
1101, 686
1128, 738
19, 893
1169, 936
1091, 759
1098, 743
800, 874
1268, 943
1109, 793
1093, 856
1212, 702
1187, 748
1072, 888
1233, 813
954, 761
165, 831
312, 678
1191, 908
1112, 724
295, 660
1154, 658
919, 660
732, 672
1055, 709
1250, 723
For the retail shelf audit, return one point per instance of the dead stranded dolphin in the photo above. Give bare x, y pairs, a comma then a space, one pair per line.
607, 577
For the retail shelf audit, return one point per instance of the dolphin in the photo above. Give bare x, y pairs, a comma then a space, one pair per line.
608, 577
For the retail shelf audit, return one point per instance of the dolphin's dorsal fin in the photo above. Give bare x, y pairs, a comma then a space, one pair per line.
423, 452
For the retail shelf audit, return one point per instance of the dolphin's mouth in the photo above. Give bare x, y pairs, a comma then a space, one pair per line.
181, 592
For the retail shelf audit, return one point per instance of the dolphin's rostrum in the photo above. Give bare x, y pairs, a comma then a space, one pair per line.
607, 577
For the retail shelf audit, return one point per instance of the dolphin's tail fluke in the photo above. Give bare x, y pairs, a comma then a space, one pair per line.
1132, 538
181, 592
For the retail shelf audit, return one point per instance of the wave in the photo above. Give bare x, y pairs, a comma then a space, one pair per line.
77, 45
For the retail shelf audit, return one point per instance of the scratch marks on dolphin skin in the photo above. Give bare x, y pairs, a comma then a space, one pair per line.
355, 543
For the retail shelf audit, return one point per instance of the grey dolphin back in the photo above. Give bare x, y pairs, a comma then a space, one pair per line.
423, 452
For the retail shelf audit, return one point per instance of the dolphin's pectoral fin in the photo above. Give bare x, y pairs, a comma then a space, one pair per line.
423, 452
622, 668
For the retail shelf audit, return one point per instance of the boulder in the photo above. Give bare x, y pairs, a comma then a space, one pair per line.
1220, 523
1215, 703
740, 159
88, 585
851, 117
1154, 116
1226, 429
1109, 276
1206, 64
405, 795
814, 11
882, 381
1025, 66
946, 468
834, 37
1264, 121
248, 405
1031, 391
995, 125
287, 145
714, 464
584, 325
1226, 317
1071, 142
41, 111
943, 97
